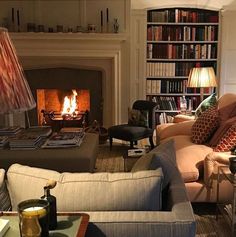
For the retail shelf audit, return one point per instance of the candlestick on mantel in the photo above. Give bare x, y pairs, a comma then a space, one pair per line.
18, 20
101, 21
12, 15
12, 26
107, 20
107, 15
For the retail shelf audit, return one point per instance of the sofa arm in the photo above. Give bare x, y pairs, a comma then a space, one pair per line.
211, 163
142, 223
172, 129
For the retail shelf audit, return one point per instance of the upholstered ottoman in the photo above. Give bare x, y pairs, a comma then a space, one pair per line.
74, 159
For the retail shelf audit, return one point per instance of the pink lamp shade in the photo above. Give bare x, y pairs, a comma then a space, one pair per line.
15, 93
202, 77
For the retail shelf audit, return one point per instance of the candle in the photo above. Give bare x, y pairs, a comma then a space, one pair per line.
101, 18
18, 18
34, 211
107, 15
12, 15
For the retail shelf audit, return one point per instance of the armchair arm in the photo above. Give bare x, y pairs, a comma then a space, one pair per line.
172, 129
182, 118
211, 163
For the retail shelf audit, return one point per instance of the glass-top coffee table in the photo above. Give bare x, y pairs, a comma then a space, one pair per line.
72, 224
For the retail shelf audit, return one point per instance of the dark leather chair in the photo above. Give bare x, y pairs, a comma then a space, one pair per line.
133, 133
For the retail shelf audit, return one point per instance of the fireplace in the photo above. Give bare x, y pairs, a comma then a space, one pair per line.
103, 53
52, 87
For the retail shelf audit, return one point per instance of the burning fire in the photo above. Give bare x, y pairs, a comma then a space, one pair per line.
70, 104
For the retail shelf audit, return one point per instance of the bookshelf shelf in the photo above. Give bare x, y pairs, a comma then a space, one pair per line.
167, 77
180, 60
182, 42
183, 23
179, 39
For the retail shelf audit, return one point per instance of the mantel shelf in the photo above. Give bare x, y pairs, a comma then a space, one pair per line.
69, 36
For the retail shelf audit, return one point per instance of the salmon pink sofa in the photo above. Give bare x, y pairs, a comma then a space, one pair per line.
198, 163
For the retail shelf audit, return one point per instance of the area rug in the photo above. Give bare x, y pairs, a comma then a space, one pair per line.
207, 225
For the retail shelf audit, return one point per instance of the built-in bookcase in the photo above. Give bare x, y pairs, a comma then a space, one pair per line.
179, 39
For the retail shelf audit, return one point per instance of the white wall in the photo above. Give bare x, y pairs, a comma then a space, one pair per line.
138, 54
228, 53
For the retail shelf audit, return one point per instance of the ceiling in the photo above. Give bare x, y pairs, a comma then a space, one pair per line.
209, 4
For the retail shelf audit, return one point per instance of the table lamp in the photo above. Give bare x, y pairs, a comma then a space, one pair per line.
15, 93
202, 77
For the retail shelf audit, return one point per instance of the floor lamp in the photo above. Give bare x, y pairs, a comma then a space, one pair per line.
202, 77
15, 93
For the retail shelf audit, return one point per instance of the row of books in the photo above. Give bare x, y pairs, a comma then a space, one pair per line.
184, 33
166, 86
161, 69
184, 51
172, 103
182, 15
172, 86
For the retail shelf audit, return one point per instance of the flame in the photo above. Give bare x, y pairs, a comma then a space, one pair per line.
70, 105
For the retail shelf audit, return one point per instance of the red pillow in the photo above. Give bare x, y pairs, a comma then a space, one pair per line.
221, 130
228, 141
205, 125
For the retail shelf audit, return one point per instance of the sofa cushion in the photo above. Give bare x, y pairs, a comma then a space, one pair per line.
89, 191
189, 157
164, 150
207, 103
228, 141
227, 105
164, 157
5, 202
221, 130
143, 163
165, 153
205, 125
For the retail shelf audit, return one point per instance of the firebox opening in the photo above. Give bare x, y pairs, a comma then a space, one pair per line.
60, 81
64, 103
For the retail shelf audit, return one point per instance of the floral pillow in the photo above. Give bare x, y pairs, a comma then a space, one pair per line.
228, 141
205, 125
138, 118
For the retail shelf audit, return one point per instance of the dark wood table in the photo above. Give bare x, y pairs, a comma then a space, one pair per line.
70, 224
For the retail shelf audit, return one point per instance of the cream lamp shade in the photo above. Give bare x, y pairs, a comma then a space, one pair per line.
202, 77
15, 93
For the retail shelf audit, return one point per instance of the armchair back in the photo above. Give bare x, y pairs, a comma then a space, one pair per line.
151, 107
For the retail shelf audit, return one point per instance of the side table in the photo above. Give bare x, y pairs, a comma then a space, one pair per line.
71, 224
228, 210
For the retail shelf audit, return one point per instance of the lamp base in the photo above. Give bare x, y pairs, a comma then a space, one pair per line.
8, 120
13, 119
201, 94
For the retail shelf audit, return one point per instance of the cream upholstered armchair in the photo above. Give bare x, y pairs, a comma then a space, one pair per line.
198, 162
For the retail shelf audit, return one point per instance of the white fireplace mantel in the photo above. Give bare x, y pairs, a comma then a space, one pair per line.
42, 50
